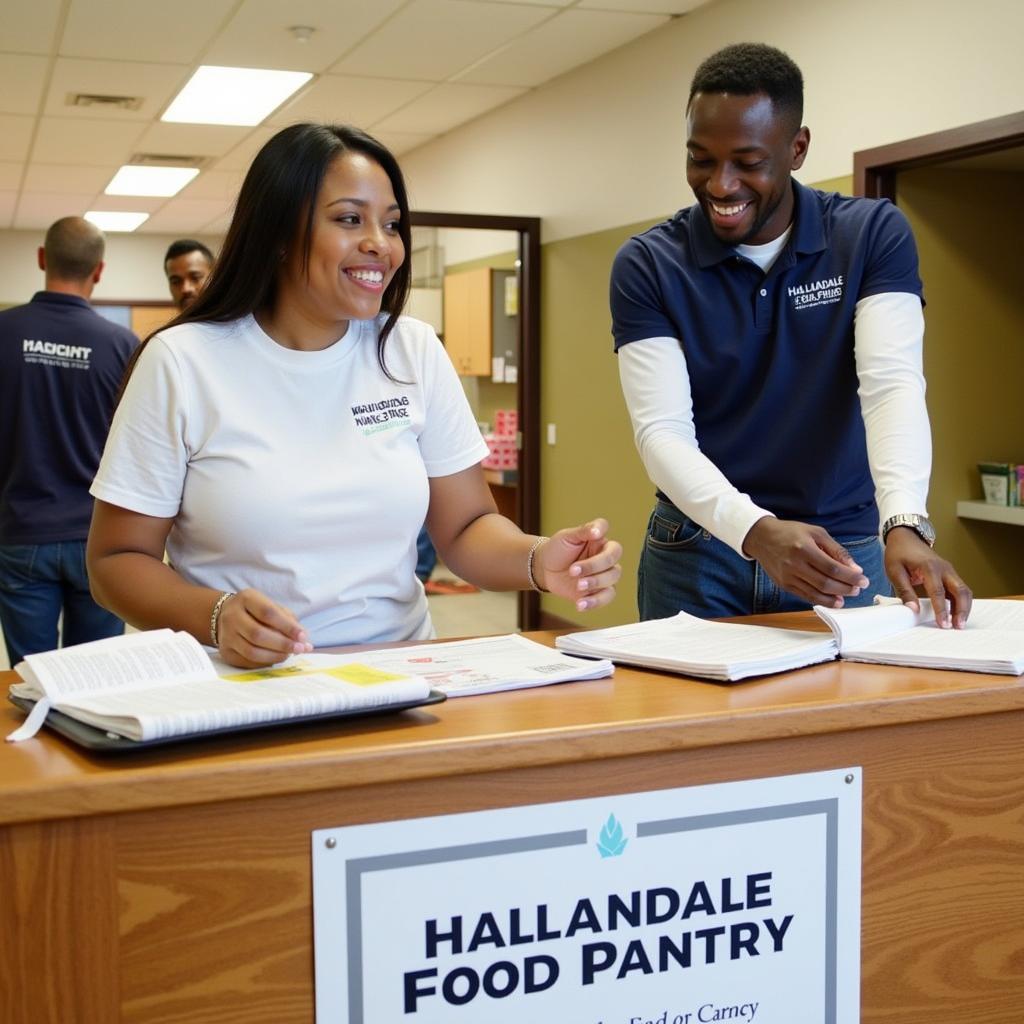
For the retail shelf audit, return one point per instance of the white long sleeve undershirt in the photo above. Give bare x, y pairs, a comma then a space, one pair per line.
888, 339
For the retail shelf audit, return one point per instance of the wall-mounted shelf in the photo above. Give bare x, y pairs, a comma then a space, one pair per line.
991, 513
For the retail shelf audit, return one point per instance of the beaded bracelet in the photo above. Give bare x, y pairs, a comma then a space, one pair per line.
529, 566
215, 616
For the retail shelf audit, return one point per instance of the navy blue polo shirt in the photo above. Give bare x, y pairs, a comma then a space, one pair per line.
61, 366
770, 356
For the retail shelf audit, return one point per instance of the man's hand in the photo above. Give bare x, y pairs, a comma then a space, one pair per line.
805, 560
909, 562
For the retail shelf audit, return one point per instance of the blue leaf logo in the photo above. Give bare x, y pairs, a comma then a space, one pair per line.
613, 840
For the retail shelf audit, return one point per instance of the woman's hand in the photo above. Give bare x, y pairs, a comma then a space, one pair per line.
253, 631
580, 564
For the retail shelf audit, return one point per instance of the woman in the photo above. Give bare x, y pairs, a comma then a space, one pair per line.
286, 435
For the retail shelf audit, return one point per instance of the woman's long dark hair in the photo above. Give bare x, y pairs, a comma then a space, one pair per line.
277, 201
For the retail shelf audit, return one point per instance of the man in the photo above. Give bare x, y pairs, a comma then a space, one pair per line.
769, 343
187, 264
60, 369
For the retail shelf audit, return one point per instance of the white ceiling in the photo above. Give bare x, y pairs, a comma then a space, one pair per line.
406, 70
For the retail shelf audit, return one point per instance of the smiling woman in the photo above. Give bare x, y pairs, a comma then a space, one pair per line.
286, 436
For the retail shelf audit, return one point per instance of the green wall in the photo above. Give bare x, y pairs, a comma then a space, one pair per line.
593, 469
968, 227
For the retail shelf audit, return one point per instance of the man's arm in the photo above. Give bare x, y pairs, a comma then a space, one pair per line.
888, 341
802, 559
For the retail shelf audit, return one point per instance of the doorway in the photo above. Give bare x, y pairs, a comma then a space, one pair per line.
521, 283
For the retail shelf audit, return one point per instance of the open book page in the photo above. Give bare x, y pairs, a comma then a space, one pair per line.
717, 650
853, 628
249, 698
485, 665
135, 661
992, 640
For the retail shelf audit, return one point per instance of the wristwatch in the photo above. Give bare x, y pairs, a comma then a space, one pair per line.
921, 525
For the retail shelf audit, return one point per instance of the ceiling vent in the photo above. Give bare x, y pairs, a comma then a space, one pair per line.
168, 160
95, 99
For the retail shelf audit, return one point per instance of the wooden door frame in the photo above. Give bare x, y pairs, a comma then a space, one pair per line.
875, 170
528, 381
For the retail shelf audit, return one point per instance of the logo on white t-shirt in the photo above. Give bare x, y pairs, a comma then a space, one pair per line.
384, 414
825, 292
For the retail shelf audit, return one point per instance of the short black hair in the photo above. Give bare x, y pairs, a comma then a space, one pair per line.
747, 69
186, 245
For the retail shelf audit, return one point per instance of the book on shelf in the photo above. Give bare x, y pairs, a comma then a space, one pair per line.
160, 684
461, 668
891, 633
886, 633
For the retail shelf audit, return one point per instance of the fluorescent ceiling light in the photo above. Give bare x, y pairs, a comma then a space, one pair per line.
243, 96
133, 180
116, 220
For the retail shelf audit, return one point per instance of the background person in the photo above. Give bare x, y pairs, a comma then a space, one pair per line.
61, 364
286, 436
769, 343
187, 264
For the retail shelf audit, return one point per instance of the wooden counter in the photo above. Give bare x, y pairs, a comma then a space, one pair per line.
175, 885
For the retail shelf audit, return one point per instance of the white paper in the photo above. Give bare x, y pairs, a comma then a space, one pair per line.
715, 650
485, 665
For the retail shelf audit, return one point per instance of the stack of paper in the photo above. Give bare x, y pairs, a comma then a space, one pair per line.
890, 633
463, 667
697, 647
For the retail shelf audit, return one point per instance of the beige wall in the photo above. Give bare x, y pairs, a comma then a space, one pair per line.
134, 266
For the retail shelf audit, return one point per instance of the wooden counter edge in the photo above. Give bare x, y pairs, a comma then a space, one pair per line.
171, 784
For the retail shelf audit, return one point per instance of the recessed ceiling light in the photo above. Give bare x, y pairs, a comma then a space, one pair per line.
242, 96
132, 180
115, 220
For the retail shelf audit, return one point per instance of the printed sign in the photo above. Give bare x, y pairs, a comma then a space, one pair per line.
730, 902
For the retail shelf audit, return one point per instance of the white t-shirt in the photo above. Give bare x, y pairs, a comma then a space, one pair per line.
302, 474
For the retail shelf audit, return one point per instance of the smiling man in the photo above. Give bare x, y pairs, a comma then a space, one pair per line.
769, 341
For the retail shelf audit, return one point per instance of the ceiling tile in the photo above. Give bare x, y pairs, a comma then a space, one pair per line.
258, 35
129, 204
67, 140
36, 210
217, 226
433, 39
155, 84
10, 175
175, 33
185, 216
220, 185
566, 41
402, 142
644, 6
350, 100
15, 136
30, 27
21, 81
239, 158
8, 201
190, 139
68, 178
446, 106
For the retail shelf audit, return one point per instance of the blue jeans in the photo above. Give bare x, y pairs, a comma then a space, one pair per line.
684, 568
38, 582
426, 556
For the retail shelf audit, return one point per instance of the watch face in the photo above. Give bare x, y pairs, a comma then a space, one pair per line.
925, 529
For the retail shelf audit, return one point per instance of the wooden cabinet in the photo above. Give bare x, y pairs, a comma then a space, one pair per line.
475, 321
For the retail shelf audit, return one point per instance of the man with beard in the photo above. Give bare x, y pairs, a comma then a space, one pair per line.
769, 341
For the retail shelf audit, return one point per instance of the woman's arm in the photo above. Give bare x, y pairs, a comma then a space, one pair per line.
579, 564
128, 575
